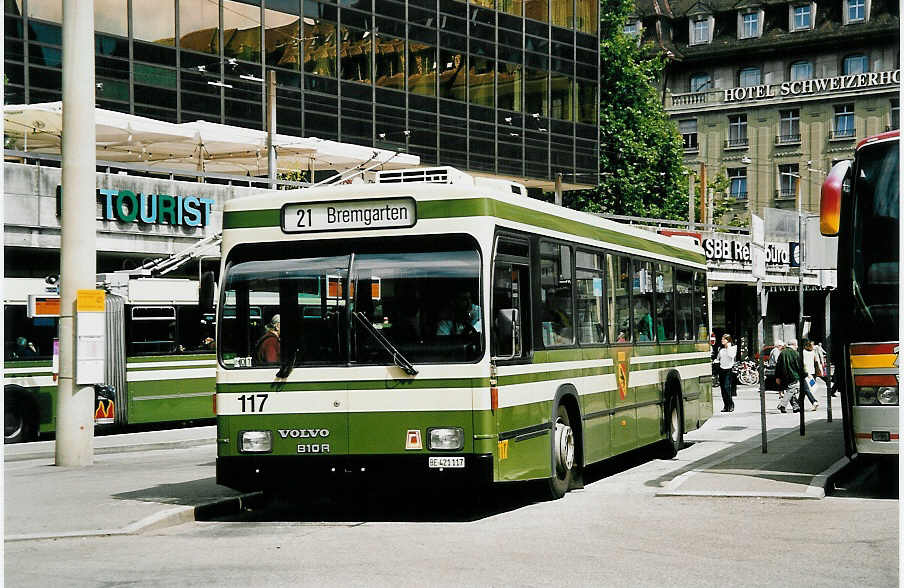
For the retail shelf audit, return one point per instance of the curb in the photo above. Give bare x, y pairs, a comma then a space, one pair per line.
11, 455
816, 489
161, 520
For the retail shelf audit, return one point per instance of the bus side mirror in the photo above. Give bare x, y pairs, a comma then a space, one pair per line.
206, 292
508, 332
833, 190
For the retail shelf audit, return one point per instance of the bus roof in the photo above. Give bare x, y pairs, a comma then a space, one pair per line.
458, 199
880, 137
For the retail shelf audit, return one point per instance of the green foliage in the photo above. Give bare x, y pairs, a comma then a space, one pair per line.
724, 210
292, 175
640, 148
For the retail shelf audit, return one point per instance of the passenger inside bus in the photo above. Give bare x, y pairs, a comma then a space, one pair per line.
25, 349
461, 317
268, 345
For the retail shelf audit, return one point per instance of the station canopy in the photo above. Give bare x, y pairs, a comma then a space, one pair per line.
195, 146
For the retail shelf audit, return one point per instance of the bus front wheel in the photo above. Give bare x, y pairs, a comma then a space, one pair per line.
563, 461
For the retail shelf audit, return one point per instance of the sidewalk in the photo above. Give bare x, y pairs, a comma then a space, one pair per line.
148, 480
793, 467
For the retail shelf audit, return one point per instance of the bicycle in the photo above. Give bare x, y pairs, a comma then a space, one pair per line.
747, 372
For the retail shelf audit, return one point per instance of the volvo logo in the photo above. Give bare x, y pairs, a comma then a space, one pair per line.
303, 433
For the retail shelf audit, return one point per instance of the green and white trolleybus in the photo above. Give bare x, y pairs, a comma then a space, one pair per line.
438, 326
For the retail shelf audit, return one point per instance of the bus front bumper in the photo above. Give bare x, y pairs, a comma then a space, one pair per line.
876, 430
284, 473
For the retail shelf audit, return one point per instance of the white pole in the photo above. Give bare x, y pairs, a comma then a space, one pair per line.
78, 267
271, 128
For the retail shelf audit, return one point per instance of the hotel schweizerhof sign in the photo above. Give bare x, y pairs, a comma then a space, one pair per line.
862, 81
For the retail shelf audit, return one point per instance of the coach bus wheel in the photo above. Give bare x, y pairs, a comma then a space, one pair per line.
675, 440
17, 418
562, 455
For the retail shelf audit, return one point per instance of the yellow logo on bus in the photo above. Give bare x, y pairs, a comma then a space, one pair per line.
502, 447
621, 374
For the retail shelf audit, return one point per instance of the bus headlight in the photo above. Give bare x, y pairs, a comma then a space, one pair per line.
888, 395
446, 438
256, 441
866, 396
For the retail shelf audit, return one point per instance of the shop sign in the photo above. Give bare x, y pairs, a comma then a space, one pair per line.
740, 251
150, 209
817, 86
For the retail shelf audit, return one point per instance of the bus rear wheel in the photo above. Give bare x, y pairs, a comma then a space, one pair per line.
562, 455
18, 418
675, 428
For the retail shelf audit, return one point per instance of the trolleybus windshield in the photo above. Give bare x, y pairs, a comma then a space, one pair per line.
423, 295
875, 242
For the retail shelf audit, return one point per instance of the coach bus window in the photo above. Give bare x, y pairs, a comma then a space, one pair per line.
875, 243
618, 276
589, 281
685, 305
556, 294
665, 303
642, 297
701, 306
152, 329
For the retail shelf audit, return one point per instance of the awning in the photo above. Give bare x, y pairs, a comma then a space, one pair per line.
195, 146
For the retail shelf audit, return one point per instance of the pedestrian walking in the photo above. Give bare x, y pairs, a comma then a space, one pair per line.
726, 360
788, 371
812, 369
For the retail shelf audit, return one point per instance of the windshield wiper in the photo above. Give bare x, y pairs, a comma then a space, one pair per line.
858, 296
397, 357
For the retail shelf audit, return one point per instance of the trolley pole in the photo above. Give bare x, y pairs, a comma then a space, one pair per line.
78, 251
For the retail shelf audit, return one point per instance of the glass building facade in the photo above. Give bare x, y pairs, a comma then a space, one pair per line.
500, 86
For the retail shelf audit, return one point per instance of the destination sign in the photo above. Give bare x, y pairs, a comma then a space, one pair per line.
309, 217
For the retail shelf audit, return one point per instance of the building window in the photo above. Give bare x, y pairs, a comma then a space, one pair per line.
749, 25
802, 17
855, 11
844, 121
738, 178
801, 70
700, 31
789, 126
788, 178
855, 64
632, 28
688, 129
749, 76
701, 82
894, 118
737, 130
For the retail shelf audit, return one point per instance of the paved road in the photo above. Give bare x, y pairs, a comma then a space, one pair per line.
617, 531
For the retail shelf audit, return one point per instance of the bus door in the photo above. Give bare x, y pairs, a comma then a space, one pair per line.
111, 402
526, 454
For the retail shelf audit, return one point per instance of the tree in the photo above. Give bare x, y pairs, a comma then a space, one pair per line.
724, 210
640, 148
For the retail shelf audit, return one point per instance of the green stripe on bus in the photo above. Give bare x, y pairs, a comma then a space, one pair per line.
356, 385
249, 219
463, 207
157, 368
158, 358
508, 211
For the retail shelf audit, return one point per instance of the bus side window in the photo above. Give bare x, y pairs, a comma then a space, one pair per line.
152, 330
510, 335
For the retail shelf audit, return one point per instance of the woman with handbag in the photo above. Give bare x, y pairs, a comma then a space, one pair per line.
726, 360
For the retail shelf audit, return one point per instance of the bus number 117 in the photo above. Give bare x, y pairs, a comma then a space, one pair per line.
252, 405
